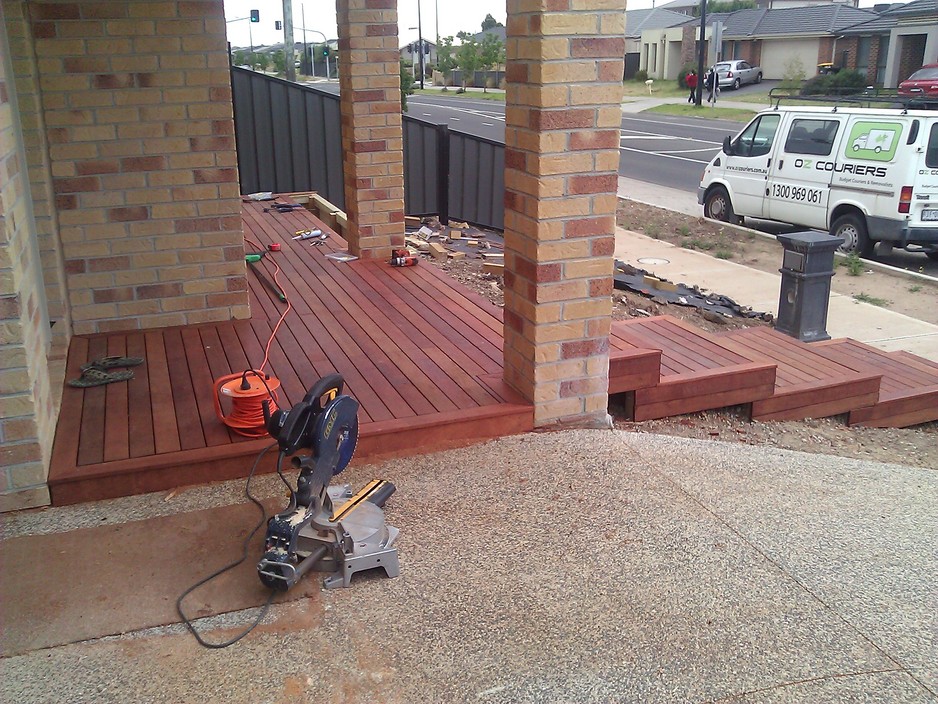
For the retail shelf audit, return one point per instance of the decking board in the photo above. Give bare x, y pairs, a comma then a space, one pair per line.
420, 353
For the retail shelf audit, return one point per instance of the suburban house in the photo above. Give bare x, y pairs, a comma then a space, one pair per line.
892, 46
410, 55
781, 41
638, 21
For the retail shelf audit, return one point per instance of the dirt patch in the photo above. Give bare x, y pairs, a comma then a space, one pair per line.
916, 446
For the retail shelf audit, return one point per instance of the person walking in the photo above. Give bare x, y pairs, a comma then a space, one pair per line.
712, 83
690, 80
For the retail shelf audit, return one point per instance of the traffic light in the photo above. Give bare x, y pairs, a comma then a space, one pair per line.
278, 25
325, 50
426, 47
255, 15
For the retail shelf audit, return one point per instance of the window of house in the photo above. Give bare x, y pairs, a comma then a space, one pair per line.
811, 137
881, 59
863, 54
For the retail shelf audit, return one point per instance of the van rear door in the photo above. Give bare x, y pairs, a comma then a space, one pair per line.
924, 207
799, 181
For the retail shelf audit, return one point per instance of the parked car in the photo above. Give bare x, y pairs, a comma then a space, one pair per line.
921, 84
734, 74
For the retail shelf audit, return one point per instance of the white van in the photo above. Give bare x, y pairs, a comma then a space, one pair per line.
864, 174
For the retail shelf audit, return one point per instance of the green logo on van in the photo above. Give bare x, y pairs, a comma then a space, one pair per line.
873, 141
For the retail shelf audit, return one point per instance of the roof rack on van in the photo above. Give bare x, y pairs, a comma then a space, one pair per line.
871, 97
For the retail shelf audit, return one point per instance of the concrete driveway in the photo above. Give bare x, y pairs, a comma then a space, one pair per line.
575, 566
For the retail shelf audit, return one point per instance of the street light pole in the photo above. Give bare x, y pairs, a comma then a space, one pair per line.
288, 43
700, 58
420, 37
311, 66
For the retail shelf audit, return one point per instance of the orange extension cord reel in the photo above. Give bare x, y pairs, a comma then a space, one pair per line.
246, 392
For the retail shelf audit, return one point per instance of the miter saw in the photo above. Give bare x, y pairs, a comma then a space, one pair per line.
325, 528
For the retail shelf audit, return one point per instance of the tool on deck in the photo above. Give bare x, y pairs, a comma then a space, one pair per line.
282, 207
325, 528
403, 257
253, 259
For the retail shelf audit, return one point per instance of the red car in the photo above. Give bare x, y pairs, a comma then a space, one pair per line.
921, 84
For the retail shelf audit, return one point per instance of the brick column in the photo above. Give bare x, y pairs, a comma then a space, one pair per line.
372, 140
561, 167
136, 101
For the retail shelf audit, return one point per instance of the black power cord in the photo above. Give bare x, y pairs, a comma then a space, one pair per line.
231, 566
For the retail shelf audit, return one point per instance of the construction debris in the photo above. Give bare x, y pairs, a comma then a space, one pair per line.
714, 306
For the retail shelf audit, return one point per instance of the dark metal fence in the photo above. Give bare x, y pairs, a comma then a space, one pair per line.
289, 136
289, 139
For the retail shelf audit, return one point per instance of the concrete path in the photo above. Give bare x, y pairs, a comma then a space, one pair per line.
879, 327
576, 566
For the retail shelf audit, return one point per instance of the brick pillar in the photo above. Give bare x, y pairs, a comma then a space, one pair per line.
28, 401
561, 166
136, 101
372, 140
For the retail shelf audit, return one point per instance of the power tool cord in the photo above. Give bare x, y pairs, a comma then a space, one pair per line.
231, 566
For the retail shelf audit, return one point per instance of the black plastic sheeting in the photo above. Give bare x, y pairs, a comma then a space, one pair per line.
629, 278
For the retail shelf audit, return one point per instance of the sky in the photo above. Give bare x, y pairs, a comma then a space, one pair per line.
454, 16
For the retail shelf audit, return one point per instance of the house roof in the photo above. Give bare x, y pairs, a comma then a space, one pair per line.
791, 21
498, 31
909, 13
656, 18
677, 5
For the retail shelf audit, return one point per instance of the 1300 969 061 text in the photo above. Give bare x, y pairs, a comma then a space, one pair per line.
799, 193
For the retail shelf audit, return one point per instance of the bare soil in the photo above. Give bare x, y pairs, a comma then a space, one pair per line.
916, 446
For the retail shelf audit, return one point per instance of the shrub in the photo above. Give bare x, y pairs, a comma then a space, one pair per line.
681, 83
641, 75
841, 83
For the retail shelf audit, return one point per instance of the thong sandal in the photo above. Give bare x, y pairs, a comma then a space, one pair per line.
96, 377
113, 362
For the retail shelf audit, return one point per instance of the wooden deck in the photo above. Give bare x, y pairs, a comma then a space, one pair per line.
697, 371
909, 389
423, 356
421, 353
808, 384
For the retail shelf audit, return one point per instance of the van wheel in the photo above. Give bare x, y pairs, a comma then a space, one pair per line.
717, 206
852, 228
736, 84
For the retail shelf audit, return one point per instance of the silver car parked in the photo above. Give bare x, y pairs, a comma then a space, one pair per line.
734, 74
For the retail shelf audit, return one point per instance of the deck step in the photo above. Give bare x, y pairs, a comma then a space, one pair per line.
908, 392
698, 372
808, 384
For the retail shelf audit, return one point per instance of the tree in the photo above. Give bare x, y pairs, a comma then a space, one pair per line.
240, 58
445, 58
407, 85
280, 62
261, 61
467, 57
490, 22
726, 6
491, 54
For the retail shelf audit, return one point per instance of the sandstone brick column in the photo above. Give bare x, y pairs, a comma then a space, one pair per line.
136, 102
27, 398
372, 139
561, 168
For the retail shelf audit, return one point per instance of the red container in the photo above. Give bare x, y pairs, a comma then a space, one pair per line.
275, 247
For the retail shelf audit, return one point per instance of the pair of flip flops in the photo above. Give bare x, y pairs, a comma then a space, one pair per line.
97, 372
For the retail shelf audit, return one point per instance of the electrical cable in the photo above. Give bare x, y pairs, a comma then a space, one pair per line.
247, 408
244, 556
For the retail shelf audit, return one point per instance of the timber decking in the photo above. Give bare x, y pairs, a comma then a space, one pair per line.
808, 384
421, 353
697, 373
909, 389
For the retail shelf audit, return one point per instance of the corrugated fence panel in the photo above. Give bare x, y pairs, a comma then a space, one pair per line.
477, 180
289, 139
288, 136
420, 167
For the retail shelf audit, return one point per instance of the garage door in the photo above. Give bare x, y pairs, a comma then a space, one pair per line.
778, 54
